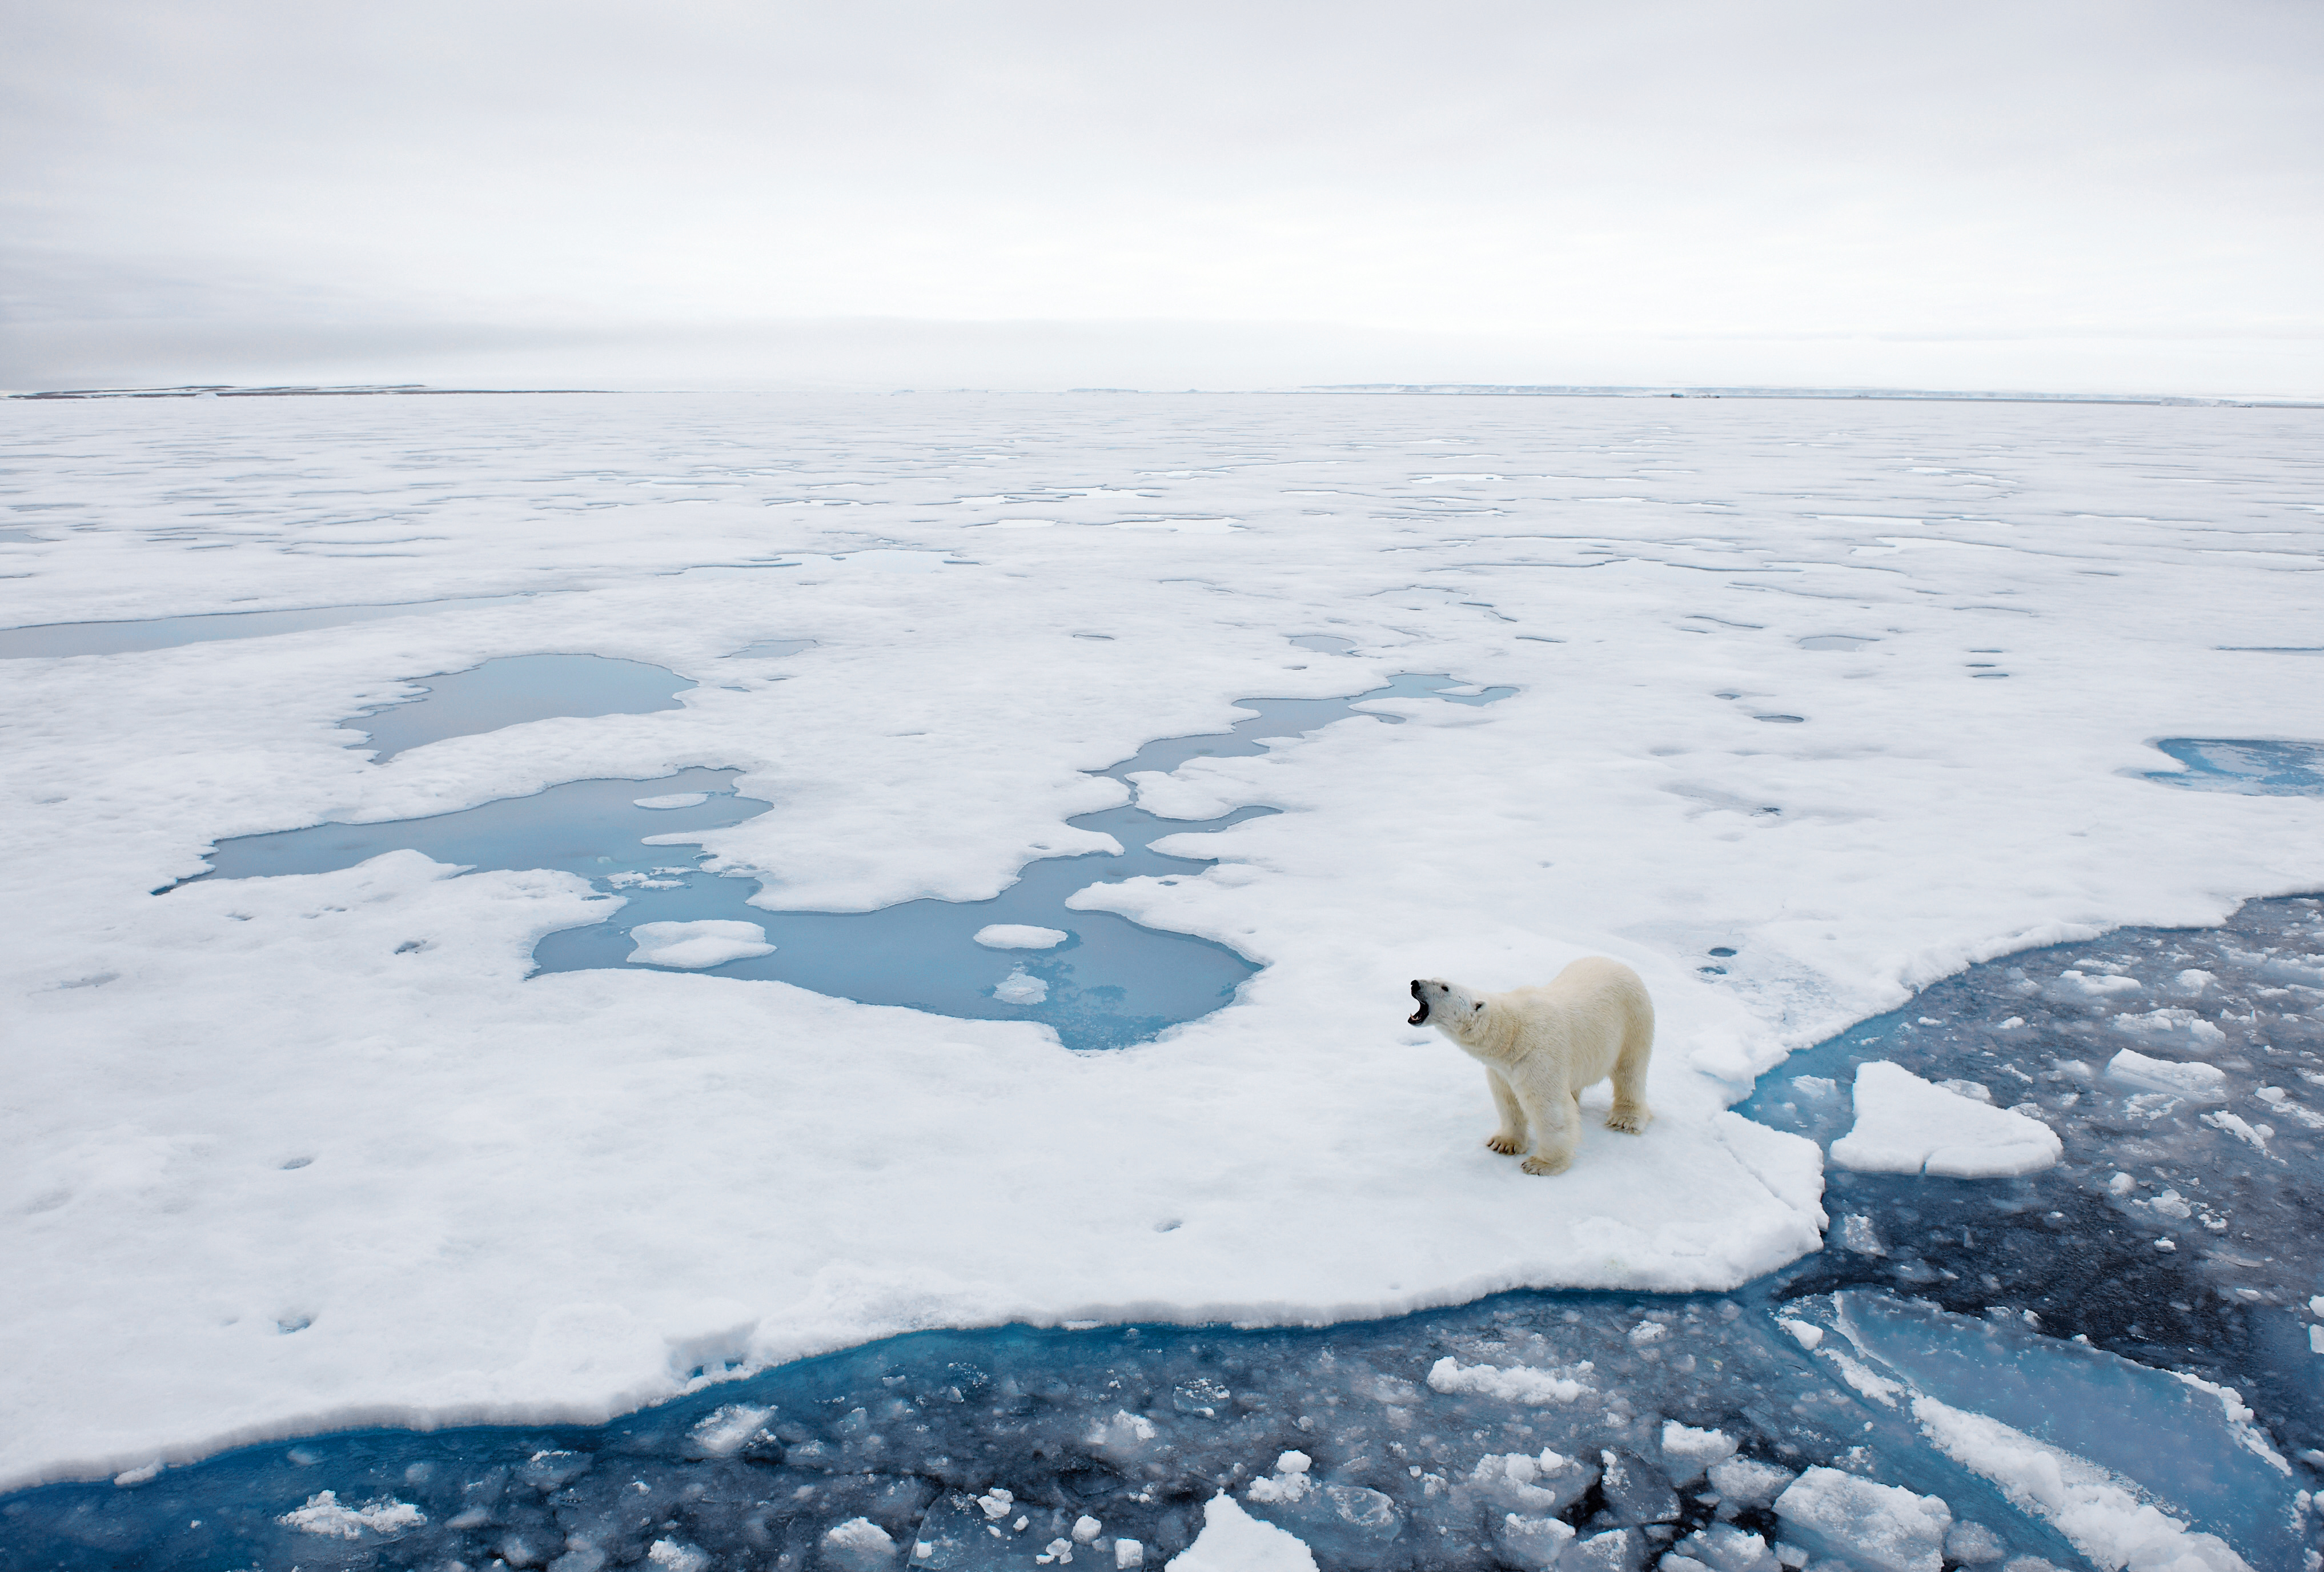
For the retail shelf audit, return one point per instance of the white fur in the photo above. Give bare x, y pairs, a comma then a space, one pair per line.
1541, 1047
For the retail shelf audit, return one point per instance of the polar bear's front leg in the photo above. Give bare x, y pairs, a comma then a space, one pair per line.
1510, 1138
1556, 1120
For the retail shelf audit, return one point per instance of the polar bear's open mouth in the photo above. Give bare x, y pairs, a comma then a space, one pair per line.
1419, 1017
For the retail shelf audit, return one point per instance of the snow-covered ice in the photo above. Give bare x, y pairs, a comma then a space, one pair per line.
300, 1151
1903, 1125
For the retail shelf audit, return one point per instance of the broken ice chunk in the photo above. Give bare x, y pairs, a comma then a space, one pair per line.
1521, 1384
322, 1514
1881, 1528
1232, 1541
673, 800
1973, 1544
2195, 1081
1687, 1451
1744, 1481
1903, 1125
1636, 1490
858, 1543
1531, 1542
1724, 1547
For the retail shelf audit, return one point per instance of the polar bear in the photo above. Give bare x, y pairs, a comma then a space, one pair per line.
1541, 1047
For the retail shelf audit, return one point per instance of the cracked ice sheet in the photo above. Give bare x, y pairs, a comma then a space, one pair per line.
557, 1198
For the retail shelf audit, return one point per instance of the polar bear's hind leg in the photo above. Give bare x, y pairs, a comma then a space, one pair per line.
1510, 1138
1630, 1114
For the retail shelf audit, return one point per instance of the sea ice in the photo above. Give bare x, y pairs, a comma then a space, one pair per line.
176, 1285
1903, 1125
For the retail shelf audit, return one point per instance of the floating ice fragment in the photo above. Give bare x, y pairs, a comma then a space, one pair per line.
130, 1478
2196, 1081
1128, 1553
322, 1514
1856, 1233
1020, 935
2233, 1124
859, 1543
671, 1556
1903, 1125
1635, 1490
1745, 1481
722, 1431
1232, 1541
692, 946
1973, 1544
1880, 1528
1085, 1529
1518, 1385
1532, 1543
2099, 986
1809, 1335
1687, 1451
1724, 1547
1618, 1550
673, 800
1020, 988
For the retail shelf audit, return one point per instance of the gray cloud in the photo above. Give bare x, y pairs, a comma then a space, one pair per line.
502, 176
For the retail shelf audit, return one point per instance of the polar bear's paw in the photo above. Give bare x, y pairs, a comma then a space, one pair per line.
1507, 1146
1544, 1166
1629, 1121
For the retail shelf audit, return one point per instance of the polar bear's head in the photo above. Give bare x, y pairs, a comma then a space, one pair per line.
1451, 1008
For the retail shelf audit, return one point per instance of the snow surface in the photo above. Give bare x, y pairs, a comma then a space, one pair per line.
693, 944
297, 1152
1904, 1124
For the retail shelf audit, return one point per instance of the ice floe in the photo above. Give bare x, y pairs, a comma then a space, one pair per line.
1903, 1125
691, 946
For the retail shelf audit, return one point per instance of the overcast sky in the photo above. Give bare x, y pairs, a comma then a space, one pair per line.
1963, 193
